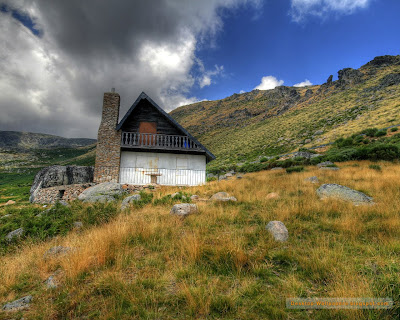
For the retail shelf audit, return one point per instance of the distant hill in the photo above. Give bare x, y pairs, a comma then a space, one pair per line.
15, 140
245, 127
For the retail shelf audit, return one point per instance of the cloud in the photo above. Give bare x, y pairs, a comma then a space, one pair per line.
52, 81
300, 9
305, 83
206, 80
242, 91
269, 82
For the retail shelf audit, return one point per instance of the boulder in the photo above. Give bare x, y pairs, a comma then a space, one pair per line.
194, 197
59, 176
184, 209
324, 164
305, 154
19, 304
103, 192
14, 234
222, 196
313, 179
78, 225
338, 191
128, 200
278, 230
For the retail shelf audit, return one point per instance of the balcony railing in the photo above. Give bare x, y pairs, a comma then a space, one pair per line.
158, 141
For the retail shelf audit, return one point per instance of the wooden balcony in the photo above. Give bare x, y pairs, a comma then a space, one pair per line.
137, 140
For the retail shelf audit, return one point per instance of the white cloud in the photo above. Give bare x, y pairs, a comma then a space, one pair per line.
269, 82
300, 9
55, 83
206, 80
242, 91
305, 83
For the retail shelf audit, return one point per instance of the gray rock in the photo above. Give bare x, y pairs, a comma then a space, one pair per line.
278, 230
330, 168
59, 176
239, 176
128, 200
348, 77
19, 304
324, 164
222, 196
55, 251
14, 234
313, 179
78, 225
338, 191
305, 154
194, 197
307, 141
277, 168
103, 192
51, 282
184, 209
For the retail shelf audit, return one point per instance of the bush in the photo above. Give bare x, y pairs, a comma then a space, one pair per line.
387, 152
295, 169
394, 129
381, 133
375, 167
370, 132
264, 159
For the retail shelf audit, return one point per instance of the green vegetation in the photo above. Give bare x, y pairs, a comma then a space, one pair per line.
220, 263
295, 169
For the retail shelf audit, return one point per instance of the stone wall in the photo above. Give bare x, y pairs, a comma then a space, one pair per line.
108, 151
66, 193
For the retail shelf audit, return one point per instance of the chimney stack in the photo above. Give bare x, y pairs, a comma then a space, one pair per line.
108, 151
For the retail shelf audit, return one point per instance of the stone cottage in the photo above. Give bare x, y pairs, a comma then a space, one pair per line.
147, 147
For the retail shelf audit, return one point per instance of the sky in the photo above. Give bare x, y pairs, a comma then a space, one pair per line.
58, 57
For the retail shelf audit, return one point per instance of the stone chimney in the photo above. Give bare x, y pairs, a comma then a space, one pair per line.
108, 151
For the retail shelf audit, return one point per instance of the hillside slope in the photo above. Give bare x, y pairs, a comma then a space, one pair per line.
15, 140
220, 263
245, 126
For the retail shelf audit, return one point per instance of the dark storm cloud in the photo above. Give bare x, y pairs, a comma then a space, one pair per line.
54, 83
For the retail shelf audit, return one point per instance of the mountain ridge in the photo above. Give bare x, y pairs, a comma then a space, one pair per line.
245, 126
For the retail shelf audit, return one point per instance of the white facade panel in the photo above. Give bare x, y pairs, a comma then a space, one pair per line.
170, 169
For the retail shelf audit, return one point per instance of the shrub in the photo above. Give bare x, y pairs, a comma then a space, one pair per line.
264, 159
370, 132
381, 133
375, 167
388, 152
295, 169
394, 129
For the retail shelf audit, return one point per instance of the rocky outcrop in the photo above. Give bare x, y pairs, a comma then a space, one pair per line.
390, 80
383, 61
349, 77
60, 176
338, 191
19, 304
304, 154
183, 209
278, 230
103, 192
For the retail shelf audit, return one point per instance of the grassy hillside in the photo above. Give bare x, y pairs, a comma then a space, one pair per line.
245, 126
220, 263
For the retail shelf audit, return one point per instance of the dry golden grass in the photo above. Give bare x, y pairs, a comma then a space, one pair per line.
221, 263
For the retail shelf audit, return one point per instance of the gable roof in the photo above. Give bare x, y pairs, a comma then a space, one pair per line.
144, 96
